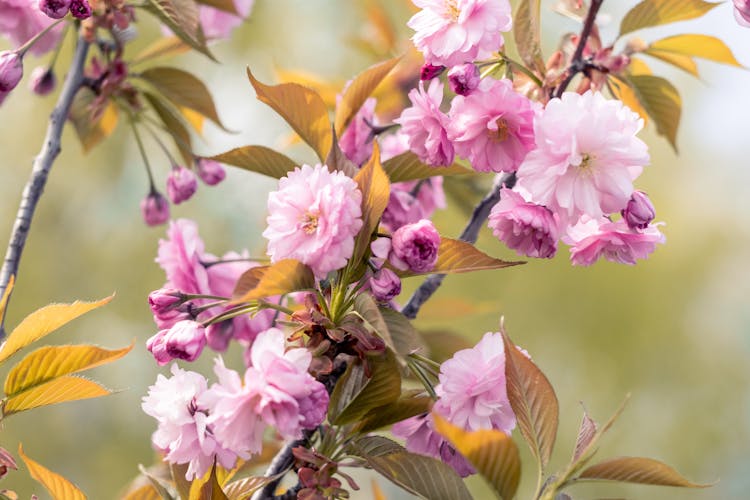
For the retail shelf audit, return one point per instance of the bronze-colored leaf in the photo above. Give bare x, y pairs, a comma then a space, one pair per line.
337, 160
404, 337
4, 299
492, 453
59, 390
662, 102
586, 434
366, 307
182, 18
408, 167
145, 492
162, 47
259, 159
92, 120
527, 34
242, 489
457, 256
302, 108
397, 411
638, 470
621, 89
281, 277
657, 12
181, 483
376, 190
533, 401
57, 486
207, 488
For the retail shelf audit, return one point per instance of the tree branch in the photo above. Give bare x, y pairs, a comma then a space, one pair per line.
41, 167
577, 64
469, 234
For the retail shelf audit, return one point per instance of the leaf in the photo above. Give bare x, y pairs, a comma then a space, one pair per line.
527, 34
657, 12
533, 401
389, 414
51, 362
492, 453
183, 89
160, 483
282, 277
377, 493
356, 394
222, 5
92, 126
145, 492
423, 476
408, 167
638, 67
337, 160
259, 159
358, 90
621, 89
457, 256
404, 337
4, 298
174, 123
44, 321
207, 488
365, 305
661, 101
162, 47
376, 190
442, 345
242, 489
703, 46
302, 108
586, 435
683, 62
181, 483
638, 470
57, 486
182, 18
59, 390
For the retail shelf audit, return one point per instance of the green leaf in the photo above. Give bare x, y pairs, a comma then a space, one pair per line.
376, 190
44, 321
183, 89
259, 159
162, 47
356, 394
92, 124
703, 46
661, 101
492, 453
407, 167
302, 108
527, 34
397, 411
58, 390
657, 12
174, 123
638, 470
182, 18
57, 486
683, 62
358, 90
282, 277
457, 256
404, 337
622, 90
50, 362
533, 401
365, 305
423, 476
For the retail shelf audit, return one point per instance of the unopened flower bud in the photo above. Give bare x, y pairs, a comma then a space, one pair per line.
742, 12
185, 340
385, 285
415, 247
155, 209
463, 78
157, 346
165, 298
168, 307
428, 71
11, 70
56, 9
211, 172
181, 184
80, 9
43, 80
639, 212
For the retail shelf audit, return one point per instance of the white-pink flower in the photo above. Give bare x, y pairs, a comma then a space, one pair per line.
219, 24
452, 32
527, 228
591, 239
313, 218
180, 255
587, 156
493, 127
425, 125
183, 432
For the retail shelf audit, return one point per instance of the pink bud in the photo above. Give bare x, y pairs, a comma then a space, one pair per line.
415, 247
639, 212
185, 340
428, 71
165, 298
168, 306
742, 12
385, 285
80, 9
155, 209
463, 78
211, 172
181, 184
56, 9
157, 346
11, 70
43, 80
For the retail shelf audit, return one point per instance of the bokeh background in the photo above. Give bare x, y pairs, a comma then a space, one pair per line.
673, 331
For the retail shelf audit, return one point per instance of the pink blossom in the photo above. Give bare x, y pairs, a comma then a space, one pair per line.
11, 70
615, 241
742, 12
181, 184
428, 71
210, 172
451, 32
42, 81
526, 227
639, 212
425, 125
385, 285
55, 9
185, 340
587, 156
464, 78
183, 432
21, 20
180, 255
219, 24
493, 126
169, 306
412, 201
313, 217
80, 9
155, 209
392, 145
415, 247
356, 141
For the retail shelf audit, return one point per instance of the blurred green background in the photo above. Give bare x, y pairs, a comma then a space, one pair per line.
674, 331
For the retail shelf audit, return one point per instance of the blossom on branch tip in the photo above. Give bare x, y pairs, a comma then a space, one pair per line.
42, 81
80, 9
210, 171
529, 229
428, 71
591, 239
639, 211
55, 9
155, 209
181, 184
21, 20
463, 78
415, 247
385, 285
11, 70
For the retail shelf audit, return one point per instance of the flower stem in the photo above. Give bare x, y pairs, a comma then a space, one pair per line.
577, 64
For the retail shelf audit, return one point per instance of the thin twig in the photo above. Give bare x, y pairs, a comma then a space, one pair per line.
469, 234
41, 167
577, 64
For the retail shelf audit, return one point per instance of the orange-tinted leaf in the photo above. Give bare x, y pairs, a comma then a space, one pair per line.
259, 159
181, 17
662, 102
376, 190
586, 434
92, 126
59, 390
703, 46
657, 12
302, 108
683, 62
4, 298
533, 401
408, 167
162, 47
242, 489
638, 470
456, 256
621, 89
492, 453
638, 67
207, 488
57, 486
527, 34
282, 277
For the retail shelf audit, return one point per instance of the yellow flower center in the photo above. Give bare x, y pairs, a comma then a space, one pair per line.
586, 167
309, 223
452, 10
501, 133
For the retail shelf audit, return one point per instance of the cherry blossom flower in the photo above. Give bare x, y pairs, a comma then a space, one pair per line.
412, 201
526, 227
21, 20
415, 247
639, 212
313, 217
463, 78
493, 127
591, 239
181, 184
155, 209
180, 255
219, 24
356, 141
742, 12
